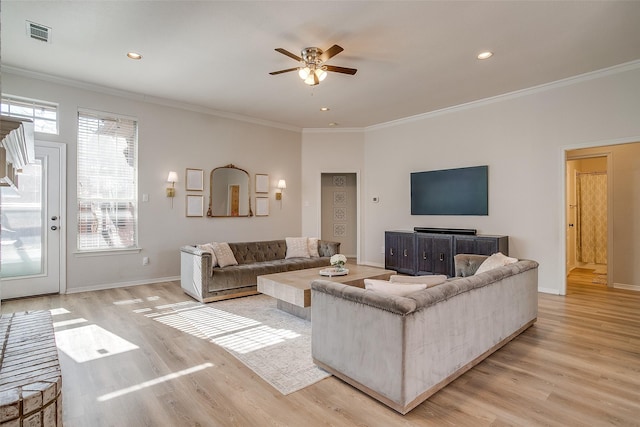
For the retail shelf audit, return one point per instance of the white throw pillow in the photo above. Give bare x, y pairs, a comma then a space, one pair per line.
494, 261
297, 247
224, 254
430, 281
208, 247
313, 247
399, 289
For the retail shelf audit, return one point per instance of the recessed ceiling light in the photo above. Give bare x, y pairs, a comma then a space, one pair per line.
333, 124
134, 55
485, 55
324, 108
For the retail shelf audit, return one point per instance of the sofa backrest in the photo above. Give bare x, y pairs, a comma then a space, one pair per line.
270, 250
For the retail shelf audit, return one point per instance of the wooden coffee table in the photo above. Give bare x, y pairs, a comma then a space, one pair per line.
292, 289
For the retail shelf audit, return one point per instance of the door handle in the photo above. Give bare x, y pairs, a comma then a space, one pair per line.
405, 252
53, 218
54, 228
391, 251
424, 255
441, 257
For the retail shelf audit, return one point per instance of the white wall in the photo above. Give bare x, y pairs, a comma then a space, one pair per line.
522, 137
171, 139
328, 152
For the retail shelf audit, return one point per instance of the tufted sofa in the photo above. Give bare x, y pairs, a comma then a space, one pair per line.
401, 350
206, 283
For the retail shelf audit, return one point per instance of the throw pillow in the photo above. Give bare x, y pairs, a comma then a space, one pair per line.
399, 289
494, 261
430, 281
208, 247
297, 247
224, 254
313, 247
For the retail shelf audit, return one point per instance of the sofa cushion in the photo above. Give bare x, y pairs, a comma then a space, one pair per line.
494, 261
430, 281
224, 255
399, 289
297, 247
208, 247
313, 247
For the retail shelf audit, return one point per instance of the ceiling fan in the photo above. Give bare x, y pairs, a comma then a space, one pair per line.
312, 67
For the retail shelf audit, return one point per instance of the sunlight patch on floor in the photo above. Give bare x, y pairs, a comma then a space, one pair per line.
254, 339
91, 342
69, 322
153, 382
228, 330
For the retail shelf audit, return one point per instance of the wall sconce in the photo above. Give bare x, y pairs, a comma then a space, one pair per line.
171, 191
282, 184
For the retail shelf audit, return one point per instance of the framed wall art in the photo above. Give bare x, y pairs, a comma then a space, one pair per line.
195, 179
195, 205
262, 206
262, 183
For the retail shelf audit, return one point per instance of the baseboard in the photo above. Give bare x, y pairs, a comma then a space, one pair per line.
104, 286
552, 291
627, 287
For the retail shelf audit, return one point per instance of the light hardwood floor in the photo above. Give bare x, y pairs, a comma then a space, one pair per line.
579, 365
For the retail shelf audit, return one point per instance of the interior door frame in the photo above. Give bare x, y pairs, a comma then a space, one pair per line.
608, 155
62, 167
562, 211
358, 205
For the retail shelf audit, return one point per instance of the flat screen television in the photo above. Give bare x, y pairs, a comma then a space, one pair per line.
462, 191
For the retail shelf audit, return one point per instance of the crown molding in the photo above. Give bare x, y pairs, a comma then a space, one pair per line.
333, 130
143, 98
580, 78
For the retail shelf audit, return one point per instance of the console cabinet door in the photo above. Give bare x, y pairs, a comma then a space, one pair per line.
391, 249
424, 252
435, 254
400, 252
407, 253
443, 255
481, 245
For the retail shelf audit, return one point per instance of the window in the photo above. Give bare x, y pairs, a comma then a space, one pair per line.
44, 114
107, 182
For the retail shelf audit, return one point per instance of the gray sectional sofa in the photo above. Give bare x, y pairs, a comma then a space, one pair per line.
206, 283
401, 350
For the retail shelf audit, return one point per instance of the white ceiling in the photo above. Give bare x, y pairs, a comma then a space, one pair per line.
412, 57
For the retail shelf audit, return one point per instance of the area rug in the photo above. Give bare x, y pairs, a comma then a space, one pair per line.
274, 344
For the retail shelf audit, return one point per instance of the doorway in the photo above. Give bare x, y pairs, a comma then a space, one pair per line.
587, 215
339, 211
33, 242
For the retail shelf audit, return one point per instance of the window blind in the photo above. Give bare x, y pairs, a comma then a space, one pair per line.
43, 114
107, 182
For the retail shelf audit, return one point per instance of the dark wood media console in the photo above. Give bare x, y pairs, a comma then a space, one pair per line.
418, 253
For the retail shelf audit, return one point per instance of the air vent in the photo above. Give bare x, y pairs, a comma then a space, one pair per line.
38, 32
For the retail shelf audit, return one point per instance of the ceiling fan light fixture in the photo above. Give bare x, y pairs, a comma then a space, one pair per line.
304, 73
311, 79
322, 74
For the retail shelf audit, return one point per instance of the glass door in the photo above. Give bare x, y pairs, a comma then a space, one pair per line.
30, 220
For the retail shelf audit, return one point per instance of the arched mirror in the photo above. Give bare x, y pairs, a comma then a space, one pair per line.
230, 192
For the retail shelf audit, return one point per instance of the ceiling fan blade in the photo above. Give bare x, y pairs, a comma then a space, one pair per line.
330, 53
289, 54
273, 73
342, 70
